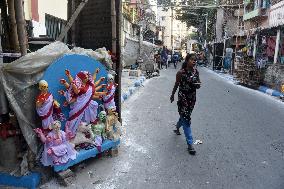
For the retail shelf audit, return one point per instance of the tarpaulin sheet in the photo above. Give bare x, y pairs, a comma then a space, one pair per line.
147, 53
130, 52
3, 100
20, 79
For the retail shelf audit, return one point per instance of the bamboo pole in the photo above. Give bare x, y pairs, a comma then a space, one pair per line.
21, 26
4, 16
117, 7
73, 28
113, 26
70, 22
14, 42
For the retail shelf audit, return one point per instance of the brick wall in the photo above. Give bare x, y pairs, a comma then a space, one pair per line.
93, 27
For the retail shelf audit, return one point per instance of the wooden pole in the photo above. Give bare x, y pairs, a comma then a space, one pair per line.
72, 20
113, 26
71, 34
4, 16
14, 42
73, 29
21, 26
118, 67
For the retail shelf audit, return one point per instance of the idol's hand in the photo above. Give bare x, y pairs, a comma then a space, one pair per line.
38, 131
97, 70
49, 151
67, 72
61, 92
62, 81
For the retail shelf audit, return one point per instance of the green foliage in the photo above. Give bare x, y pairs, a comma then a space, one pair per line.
194, 36
194, 13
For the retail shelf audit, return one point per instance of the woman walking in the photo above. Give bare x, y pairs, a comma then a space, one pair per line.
187, 80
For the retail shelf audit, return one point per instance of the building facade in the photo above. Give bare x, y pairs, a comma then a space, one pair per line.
263, 28
36, 11
172, 31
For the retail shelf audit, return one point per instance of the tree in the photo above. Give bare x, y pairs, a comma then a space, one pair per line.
194, 13
197, 18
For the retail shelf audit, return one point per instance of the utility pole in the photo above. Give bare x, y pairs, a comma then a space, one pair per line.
172, 35
233, 62
206, 28
21, 26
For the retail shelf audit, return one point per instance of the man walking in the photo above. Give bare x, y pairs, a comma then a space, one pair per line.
187, 80
165, 56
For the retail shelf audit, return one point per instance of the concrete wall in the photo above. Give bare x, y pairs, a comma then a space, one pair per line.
57, 8
35, 10
27, 9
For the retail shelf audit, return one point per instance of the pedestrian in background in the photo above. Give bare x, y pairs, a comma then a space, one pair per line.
165, 57
159, 60
187, 80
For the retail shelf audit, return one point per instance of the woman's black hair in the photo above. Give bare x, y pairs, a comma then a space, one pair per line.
187, 58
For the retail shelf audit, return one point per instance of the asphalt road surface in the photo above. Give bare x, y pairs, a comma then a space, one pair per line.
242, 132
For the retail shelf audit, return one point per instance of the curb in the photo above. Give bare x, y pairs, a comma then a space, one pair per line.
270, 91
263, 89
135, 86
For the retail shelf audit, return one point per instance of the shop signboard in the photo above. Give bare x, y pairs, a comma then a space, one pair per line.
276, 16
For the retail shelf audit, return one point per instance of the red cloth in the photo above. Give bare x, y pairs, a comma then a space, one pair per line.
271, 43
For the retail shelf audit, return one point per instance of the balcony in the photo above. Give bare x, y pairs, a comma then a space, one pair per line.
246, 2
257, 13
130, 14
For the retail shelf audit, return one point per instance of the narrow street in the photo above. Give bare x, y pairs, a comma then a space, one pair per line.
241, 129
70, 69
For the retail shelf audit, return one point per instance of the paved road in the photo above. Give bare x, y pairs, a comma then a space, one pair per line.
242, 133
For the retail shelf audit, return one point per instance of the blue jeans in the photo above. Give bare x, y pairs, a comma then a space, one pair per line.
186, 128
